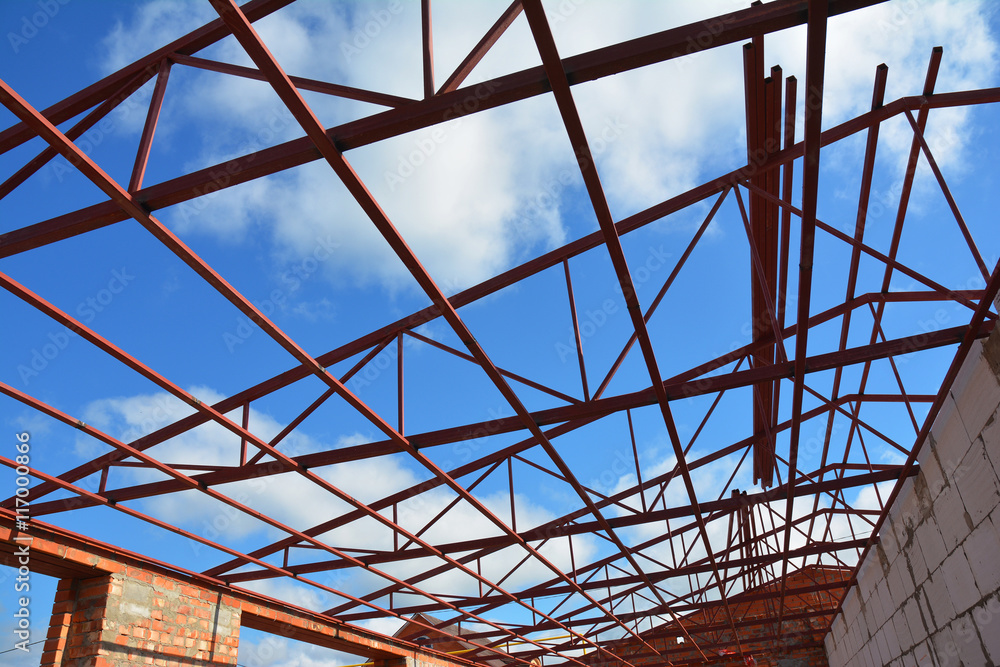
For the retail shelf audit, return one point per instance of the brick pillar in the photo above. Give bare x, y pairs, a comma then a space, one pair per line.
57, 639
139, 618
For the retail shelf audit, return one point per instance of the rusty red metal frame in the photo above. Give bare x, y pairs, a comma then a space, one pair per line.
649, 583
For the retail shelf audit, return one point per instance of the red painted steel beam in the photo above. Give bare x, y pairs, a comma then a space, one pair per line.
562, 525
427, 47
480, 50
986, 302
302, 83
678, 608
681, 571
589, 411
787, 178
918, 134
149, 129
14, 102
145, 67
559, 82
252, 44
193, 485
492, 544
60, 552
673, 43
815, 71
576, 330
73, 134
864, 197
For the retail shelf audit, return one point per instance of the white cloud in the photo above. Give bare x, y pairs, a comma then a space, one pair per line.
475, 196
154, 25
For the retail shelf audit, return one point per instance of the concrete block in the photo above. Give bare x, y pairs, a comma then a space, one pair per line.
932, 544
891, 639
990, 438
832, 654
900, 584
902, 631
914, 621
930, 470
951, 440
948, 411
986, 616
979, 400
916, 567
982, 549
973, 361
869, 620
868, 577
995, 520
922, 655
960, 581
872, 654
858, 636
838, 628
937, 601
945, 648
970, 648
885, 607
977, 483
852, 603
906, 526
949, 511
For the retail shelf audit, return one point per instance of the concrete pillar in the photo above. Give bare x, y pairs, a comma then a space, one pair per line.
140, 618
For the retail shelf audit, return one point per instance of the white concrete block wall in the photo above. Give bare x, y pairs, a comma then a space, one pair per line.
929, 593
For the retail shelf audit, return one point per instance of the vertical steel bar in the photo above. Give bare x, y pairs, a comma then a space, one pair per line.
149, 129
576, 330
427, 47
635, 455
399, 382
243, 441
959, 218
815, 70
663, 290
864, 197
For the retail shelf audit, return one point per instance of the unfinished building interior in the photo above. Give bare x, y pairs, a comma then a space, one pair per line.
752, 423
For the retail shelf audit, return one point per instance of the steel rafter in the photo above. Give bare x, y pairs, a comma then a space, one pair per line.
655, 558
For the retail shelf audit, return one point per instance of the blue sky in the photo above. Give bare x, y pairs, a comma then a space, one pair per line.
473, 197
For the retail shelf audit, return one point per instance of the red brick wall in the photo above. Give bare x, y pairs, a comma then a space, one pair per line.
139, 618
803, 629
